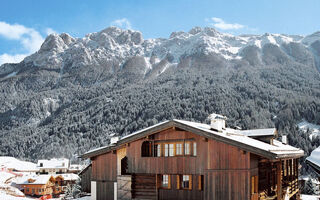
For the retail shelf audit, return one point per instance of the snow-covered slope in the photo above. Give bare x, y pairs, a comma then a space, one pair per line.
112, 47
313, 128
13, 163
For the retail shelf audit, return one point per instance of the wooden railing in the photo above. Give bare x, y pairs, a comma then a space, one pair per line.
293, 187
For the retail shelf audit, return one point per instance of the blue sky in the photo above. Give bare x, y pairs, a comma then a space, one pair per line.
25, 24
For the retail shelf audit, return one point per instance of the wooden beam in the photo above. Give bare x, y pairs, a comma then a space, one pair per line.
279, 181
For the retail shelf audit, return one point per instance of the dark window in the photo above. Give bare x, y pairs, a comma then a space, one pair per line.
146, 149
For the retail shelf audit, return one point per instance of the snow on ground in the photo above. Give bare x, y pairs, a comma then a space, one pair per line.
309, 197
4, 176
13, 163
84, 198
314, 128
4, 196
11, 75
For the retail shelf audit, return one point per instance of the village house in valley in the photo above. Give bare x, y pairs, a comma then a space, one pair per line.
53, 166
186, 160
39, 185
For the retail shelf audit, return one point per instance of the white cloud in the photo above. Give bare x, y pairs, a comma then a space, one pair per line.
121, 23
29, 38
6, 58
221, 24
50, 31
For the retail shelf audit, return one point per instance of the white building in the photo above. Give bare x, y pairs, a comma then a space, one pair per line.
53, 166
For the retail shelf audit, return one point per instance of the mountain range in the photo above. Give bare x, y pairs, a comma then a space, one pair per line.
73, 94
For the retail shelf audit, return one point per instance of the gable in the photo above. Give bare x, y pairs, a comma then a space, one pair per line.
237, 140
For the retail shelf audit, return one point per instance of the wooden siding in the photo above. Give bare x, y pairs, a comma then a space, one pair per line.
222, 164
104, 172
104, 167
86, 179
227, 169
173, 193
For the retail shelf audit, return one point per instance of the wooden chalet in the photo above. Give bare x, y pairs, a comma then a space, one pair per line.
38, 185
186, 160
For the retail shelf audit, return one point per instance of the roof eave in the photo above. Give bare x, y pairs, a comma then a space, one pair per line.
174, 123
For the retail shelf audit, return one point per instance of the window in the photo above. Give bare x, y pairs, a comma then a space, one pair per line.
165, 182
32, 190
171, 149
146, 149
158, 150
27, 189
179, 149
254, 184
194, 148
166, 150
187, 148
184, 182
200, 182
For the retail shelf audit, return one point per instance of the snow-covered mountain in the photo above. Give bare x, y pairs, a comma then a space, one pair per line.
116, 49
76, 92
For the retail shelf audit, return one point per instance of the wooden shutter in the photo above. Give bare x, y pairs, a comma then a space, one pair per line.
178, 181
255, 184
169, 181
252, 184
190, 182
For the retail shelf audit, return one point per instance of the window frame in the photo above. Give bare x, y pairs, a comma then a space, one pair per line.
166, 150
187, 144
162, 186
194, 149
180, 180
180, 149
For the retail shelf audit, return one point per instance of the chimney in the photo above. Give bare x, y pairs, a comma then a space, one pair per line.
218, 122
114, 140
284, 139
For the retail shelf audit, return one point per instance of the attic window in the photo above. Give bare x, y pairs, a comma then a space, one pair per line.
30, 180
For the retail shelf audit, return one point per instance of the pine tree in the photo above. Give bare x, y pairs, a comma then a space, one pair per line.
308, 187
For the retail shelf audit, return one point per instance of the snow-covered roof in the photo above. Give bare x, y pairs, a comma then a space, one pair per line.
259, 132
18, 165
53, 163
68, 177
38, 180
230, 136
76, 167
314, 159
277, 147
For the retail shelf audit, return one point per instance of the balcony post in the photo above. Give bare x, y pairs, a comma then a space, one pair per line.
279, 184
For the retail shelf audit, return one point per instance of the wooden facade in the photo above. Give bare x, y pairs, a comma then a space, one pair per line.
39, 189
85, 176
175, 163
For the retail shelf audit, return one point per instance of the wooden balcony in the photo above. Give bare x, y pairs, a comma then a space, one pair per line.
292, 188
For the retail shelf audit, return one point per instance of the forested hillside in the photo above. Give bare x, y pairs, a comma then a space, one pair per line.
49, 113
